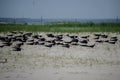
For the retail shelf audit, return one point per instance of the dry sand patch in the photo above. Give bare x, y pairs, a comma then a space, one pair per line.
36, 62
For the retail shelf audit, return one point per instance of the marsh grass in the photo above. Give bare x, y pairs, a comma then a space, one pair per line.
71, 27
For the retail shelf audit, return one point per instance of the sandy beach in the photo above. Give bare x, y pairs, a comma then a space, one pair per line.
37, 62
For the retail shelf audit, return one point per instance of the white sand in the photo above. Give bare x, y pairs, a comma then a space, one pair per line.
57, 63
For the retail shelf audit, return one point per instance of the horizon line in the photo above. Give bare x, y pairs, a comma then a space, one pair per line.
61, 18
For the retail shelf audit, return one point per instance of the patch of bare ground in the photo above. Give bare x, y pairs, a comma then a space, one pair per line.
38, 62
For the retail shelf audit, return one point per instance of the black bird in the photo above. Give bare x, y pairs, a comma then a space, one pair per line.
7, 44
74, 40
30, 40
16, 48
48, 45
112, 42
67, 35
3, 38
113, 39
106, 40
91, 45
74, 43
9, 39
21, 32
99, 41
97, 37
85, 45
1, 46
19, 44
36, 36
28, 34
30, 43
72, 36
66, 45
18, 38
84, 41
50, 35
41, 43
58, 37
36, 42
25, 38
40, 35
97, 34
53, 42
104, 36
67, 42
49, 41
14, 32
58, 43
85, 36
42, 39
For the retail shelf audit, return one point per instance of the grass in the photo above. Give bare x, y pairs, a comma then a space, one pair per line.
71, 27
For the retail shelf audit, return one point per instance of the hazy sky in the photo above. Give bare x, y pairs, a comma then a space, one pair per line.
84, 9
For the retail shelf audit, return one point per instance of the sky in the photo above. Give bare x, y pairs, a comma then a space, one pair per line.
83, 9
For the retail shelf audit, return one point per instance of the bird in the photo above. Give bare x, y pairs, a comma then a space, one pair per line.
58, 43
42, 39
72, 36
74, 43
84, 41
21, 32
50, 35
85, 36
106, 40
112, 42
10, 35
97, 34
17, 48
14, 32
91, 45
48, 45
1, 46
30, 43
28, 34
41, 43
19, 44
36, 36
19, 38
30, 40
58, 37
36, 42
74, 40
99, 41
113, 39
104, 36
97, 37
85, 45
66, 45
7, 44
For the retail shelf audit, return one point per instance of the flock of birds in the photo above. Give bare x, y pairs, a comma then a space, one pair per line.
18, 39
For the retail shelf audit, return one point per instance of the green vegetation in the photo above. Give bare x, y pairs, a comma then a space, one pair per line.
70, 27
